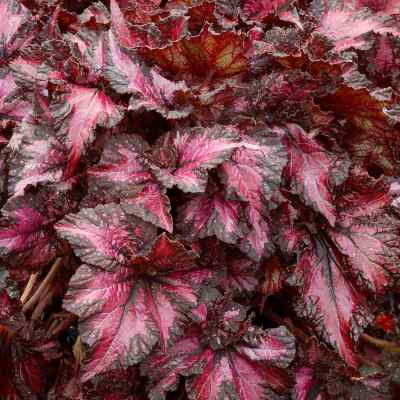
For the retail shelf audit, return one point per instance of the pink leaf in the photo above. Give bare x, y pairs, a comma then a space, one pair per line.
78, 113
255, 10
191, 154
207, 215
105, 236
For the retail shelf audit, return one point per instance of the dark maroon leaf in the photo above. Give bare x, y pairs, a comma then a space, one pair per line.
25, 355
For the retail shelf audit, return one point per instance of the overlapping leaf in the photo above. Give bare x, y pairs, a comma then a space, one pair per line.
332, 302
141, 301
149, 89
247, 370
122, 176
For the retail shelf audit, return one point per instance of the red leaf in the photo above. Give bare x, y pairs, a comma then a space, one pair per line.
241, 275
207, 215
209, 53
41, 158
274, 276
257, 243
17, 28
329, 300
244, 371
386, 322
381, 6
253, 173
368, 235
78, 113
27, 237
130, 37
308, 172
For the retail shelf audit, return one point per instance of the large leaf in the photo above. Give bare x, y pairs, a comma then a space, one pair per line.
329, 300
149, 89
308, 172
77, 113
125, 313
183, 158
209, 53
367, 234
41, 158
105, 236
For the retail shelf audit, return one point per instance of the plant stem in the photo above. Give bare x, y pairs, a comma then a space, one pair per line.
391, 347
44, 301
29, 287
46, 281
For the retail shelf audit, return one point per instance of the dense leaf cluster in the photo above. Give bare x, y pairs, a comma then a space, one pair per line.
199, 199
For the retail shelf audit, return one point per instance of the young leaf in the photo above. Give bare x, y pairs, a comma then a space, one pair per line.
220, 54
183, 158
245, 370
